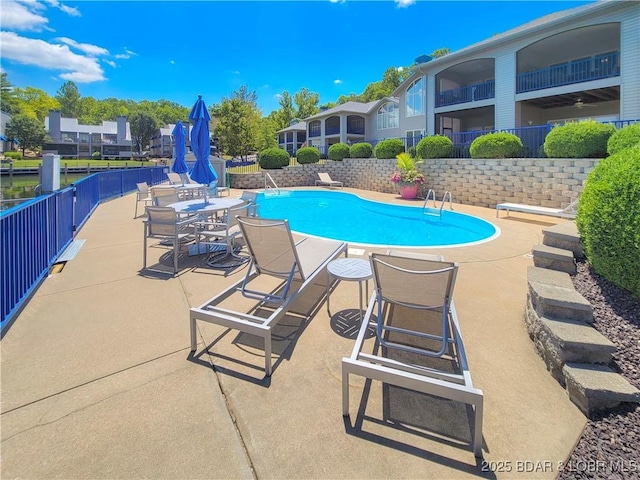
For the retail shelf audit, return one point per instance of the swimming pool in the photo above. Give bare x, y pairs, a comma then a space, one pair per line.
347, 217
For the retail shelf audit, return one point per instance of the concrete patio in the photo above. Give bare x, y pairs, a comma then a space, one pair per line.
98, 381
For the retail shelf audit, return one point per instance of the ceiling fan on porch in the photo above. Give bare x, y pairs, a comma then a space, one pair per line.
579, 103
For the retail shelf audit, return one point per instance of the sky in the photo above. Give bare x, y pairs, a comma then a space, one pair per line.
177, 50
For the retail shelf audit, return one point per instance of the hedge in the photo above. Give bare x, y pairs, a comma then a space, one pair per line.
436, 146
389, 148
608, 219
338, 151
624, 138
587, 139
273, 158
361, 150
496, 145
308, 155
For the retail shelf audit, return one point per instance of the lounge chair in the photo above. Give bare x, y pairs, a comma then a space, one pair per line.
418, 344
568, 212
174, 178
274, 254
325, 179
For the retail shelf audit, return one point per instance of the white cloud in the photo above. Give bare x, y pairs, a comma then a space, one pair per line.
400, 69
84, 47
28, 51
111, 63
172, 62
17, 16
404, 3
127, 54
71, 11
337, 1
337, 81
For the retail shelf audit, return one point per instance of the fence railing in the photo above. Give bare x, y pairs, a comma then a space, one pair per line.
469, 93
576, 71
35, 233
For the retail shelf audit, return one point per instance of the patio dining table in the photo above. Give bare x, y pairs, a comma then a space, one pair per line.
206, 206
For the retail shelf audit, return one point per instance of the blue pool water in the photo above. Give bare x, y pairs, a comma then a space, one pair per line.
347, 217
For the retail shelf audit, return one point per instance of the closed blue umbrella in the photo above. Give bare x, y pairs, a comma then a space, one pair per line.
179, 165
202, 171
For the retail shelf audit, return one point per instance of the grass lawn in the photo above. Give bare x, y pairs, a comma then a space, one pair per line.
36, 162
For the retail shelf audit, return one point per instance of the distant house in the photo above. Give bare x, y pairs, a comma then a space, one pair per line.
73, 140
574, 64
293, 137
5, 143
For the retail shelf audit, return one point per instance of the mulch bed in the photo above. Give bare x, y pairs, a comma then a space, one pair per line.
610, 444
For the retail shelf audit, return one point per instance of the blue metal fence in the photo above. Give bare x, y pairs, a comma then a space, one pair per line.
36, 232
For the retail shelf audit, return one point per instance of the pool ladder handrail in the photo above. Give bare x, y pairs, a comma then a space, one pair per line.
432, 194
271, 186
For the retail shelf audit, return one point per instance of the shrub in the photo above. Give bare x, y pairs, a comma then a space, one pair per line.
272, 158
96, 155
624, 138
413, 153
586, 139
436, 146
361, 150
389, 148
13, 155
608, 219
496, 145
338, 151
308, 155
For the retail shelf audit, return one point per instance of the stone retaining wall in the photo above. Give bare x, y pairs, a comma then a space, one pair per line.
548, 182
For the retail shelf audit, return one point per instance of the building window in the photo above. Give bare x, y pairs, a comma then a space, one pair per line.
388, 116
415, 98
314, 129
413, 137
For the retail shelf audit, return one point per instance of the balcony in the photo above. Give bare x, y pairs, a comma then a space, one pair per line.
470, 93
575, 71
332, 130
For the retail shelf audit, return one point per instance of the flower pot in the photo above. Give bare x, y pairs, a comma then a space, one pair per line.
409, 191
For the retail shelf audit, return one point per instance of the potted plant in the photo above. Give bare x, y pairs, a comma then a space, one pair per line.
407, 177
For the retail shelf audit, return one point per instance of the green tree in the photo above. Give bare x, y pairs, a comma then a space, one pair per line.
440, 52
143, 127
236, 122
68, 96
266, 132
35, 102
29, 131
307, 103
8, 101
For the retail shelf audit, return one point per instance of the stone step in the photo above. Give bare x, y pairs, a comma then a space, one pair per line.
552, 295
597, 387
554, 258
569, 341
564, 235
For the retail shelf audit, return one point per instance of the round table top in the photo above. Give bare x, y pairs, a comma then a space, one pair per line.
212, 205
350, 269
188, 186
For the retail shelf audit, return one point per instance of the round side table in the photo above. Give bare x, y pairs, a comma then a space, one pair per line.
349, 270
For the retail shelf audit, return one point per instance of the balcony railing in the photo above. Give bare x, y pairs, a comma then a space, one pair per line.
470, 93
332, 130
355, 130
576, 71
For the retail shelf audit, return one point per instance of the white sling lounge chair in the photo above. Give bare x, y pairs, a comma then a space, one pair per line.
274, 254
325, 179
568, 212
418, 344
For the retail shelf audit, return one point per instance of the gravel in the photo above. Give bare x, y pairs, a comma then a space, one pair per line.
610, 444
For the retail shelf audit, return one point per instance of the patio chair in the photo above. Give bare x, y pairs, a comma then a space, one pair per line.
222, 233
165, 224
418, 345
325, 179
164, 196
568, 212
174, 178
252, 199
274, 254
142, 195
